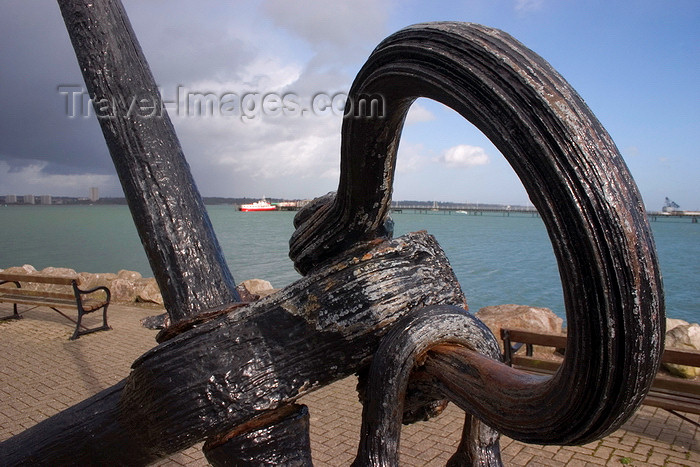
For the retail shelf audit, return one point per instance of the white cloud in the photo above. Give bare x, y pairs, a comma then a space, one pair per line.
410, 157
464, 156
252, 151
528, 5
417, 114
272, 154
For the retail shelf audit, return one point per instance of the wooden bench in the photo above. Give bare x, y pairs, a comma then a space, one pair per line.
86, 301
667, 392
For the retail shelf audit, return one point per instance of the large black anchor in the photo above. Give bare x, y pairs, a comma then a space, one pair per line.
229, 372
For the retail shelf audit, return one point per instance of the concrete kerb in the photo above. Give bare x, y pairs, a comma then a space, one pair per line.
43, 373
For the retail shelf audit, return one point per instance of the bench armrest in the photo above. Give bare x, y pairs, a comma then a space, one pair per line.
509, 348
80, 292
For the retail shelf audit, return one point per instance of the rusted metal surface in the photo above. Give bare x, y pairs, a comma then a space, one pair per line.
573, 174
282, 440
233, 373
404, 348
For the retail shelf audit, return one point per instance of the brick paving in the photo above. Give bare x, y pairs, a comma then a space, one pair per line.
42, 373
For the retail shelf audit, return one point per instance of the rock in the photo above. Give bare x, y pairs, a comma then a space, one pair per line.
254, 289
132, 276
672, 323
90, 280
59, 272
26, 269
684, 336
148, 291
122, 290
521, 317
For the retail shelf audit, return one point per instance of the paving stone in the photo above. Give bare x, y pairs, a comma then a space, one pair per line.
42, 373
563, 455
538, 461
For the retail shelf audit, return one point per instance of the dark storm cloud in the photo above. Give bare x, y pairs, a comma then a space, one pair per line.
38, 61
36, 57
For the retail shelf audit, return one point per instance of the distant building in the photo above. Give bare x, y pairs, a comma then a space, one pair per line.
28, 199
10, 199
94, 194
45, 199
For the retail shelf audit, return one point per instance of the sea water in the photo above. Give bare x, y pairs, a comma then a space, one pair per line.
497, 259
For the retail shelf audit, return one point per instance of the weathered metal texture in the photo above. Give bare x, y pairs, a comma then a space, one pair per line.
575, 177
401, 350
168, 211
258, 358
239, 368
281, 441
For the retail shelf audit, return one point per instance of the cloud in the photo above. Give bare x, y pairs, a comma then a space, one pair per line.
464, 156
417, 114
345, 28
32, 179
205, 48
528, 5
631, 151
411, 157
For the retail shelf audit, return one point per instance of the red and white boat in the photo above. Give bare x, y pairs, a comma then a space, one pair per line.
261, 205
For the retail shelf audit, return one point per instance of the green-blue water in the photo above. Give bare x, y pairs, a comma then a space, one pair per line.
496, 259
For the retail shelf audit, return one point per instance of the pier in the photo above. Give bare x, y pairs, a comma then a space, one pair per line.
474, 209
465, 209
674, 215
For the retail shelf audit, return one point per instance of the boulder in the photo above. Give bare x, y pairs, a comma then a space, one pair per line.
254, 289
148, 291
132, 276
672, 323
122, 290
521, 317
684, 336
92, 280
58, 272
26, 269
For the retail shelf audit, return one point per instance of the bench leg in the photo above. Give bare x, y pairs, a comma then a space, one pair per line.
14, 315
78, 332
78, 324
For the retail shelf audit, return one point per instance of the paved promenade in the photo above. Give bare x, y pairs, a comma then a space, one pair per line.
42, 373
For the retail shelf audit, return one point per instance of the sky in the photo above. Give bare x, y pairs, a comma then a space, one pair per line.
635, 63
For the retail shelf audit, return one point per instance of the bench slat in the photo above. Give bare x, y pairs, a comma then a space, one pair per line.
667, 392
688, 357
60, 280
7, 294
678, 356
679, 403
68, 301
26, 300
679, 385
532, 363
662, 382
536, 338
